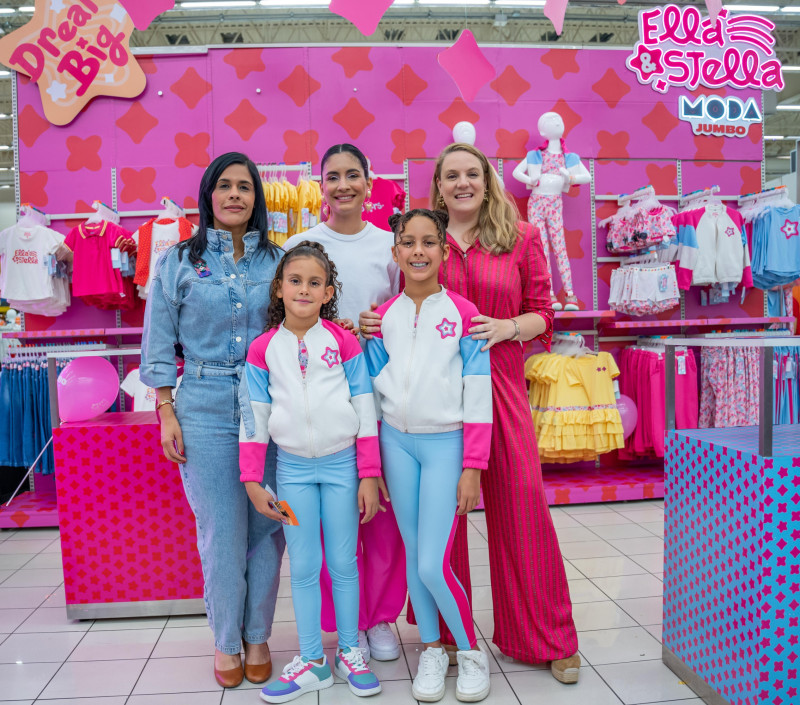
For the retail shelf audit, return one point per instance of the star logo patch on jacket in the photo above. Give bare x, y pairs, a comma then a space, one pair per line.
331, 357
446, 329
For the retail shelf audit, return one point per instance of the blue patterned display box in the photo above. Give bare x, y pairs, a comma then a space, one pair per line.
732, 561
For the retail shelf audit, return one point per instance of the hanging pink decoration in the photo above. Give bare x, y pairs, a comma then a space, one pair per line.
364, 14
465, 63
713, 7
143, 12
554, 10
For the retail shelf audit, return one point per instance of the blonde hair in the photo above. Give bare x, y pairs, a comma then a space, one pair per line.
497, 229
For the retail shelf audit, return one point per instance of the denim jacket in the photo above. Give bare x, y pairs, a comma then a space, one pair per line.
215, 312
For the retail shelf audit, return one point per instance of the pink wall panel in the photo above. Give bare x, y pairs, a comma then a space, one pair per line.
392, 102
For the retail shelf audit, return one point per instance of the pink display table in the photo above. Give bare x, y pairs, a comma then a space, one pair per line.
127, 534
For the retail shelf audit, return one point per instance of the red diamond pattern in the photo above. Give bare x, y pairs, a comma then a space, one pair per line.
245, 119
510, 86
245, 61
354, 118
137, 122
611, 88
458, 111
660, 121
192, 150
83, 153
406, 85
353, 60
191, 88
299, 85
31, 125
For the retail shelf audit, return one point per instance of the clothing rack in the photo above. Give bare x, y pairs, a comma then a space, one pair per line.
774, 192
641, 192
26, 210
23, 351
697, 195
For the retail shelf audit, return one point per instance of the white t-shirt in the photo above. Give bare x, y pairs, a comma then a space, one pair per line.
23, 266
144, 397
363, 262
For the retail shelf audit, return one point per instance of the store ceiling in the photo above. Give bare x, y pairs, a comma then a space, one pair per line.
588, 23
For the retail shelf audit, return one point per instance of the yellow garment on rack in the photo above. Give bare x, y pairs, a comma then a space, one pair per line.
573, 406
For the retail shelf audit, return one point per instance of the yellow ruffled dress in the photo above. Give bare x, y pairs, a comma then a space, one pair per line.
573, 406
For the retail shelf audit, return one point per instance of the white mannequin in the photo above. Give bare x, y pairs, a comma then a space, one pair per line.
551, 127
548, 172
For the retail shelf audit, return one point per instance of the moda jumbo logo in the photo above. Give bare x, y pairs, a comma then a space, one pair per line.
678, 46
713, 115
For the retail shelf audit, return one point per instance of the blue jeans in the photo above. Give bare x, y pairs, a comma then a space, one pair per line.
322, 489
422, 471
240, 549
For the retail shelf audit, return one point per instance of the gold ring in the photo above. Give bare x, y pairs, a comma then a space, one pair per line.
363, 329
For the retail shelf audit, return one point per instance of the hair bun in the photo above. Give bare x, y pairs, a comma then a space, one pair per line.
394, 221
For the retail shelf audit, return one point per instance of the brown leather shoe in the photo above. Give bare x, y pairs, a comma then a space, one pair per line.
566, 670
257, 673
229, 678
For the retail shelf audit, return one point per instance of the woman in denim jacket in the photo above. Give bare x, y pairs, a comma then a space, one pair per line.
210, 294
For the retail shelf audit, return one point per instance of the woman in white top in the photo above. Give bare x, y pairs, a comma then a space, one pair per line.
363, 257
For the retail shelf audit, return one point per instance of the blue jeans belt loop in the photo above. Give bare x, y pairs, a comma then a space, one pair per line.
246, 411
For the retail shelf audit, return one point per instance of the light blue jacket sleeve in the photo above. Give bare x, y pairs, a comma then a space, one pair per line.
158, 368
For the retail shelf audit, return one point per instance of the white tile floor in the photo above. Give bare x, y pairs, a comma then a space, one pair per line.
614, 561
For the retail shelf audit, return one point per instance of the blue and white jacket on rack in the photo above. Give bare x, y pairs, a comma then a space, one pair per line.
328, 410
429, 375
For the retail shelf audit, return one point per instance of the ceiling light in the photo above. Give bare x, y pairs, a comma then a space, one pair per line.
7, 10
5, 74
752, 8
784, 157
453, 3
204, 5
519, 3
790, 68
296, 3
787, 107
4, 147
791, 8
26, 8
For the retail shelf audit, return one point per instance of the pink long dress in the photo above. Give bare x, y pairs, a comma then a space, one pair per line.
532, 608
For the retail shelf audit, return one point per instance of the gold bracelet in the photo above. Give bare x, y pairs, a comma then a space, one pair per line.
516, 328
162, 403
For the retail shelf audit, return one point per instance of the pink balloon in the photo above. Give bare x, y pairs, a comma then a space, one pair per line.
628, 414
87, 387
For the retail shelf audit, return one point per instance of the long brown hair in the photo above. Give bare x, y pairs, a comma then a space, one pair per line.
498, 221
306, 248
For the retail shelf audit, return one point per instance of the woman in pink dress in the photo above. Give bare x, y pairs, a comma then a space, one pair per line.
498, 263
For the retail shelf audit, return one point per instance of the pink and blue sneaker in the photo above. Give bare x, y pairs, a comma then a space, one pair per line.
299, 677
350, 666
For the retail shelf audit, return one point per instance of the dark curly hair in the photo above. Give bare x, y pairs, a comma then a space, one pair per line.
306, 248
398, 221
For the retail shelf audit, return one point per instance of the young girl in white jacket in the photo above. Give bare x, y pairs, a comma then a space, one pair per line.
434, 388
307, 383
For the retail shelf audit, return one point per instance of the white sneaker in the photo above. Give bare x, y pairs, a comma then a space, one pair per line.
472, 684
363, 644
428, 684
382, 643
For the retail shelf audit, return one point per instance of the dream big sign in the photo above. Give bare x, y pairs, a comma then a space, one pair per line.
78, 49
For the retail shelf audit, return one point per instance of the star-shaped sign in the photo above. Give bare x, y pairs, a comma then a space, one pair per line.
331, 357
790, 228
446, 329
70, 50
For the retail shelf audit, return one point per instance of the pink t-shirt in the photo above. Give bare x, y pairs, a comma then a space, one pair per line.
386, 196
92, 272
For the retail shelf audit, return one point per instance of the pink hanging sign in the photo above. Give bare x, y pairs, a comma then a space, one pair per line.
679, 47
466, 64
364, 14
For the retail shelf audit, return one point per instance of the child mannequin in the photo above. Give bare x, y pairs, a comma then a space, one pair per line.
549, 171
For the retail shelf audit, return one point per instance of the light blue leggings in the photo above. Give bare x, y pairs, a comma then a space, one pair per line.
422, 471
322, 489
